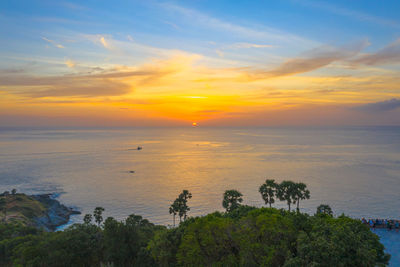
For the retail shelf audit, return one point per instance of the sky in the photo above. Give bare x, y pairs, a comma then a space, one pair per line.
217, 63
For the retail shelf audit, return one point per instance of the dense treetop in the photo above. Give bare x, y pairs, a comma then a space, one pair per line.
241, 236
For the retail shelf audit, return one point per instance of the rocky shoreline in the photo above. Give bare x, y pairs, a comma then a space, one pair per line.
56, 213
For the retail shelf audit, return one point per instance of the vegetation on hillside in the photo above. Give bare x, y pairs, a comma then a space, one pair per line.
241, 236
19, 207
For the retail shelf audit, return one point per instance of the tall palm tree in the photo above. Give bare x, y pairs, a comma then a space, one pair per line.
174, 209
267, 191
232, 200
300, 193
180, 205
285, 192
98, 215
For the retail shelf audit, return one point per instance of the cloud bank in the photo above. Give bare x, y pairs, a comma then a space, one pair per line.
386, 105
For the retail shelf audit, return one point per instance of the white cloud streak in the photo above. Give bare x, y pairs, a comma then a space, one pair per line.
53, 42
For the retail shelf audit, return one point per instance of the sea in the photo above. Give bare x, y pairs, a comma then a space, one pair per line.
355, 170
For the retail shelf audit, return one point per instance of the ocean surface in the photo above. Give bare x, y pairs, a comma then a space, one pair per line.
356, 170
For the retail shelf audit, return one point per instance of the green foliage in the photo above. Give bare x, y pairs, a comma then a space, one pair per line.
245, 236
325, 210
179, 206
123, 241
268, 237
286, 192
20, 207
300, 193
239, 212
338, 242
164, 246
232, 199
183, 207
268, 191
117, 244
87, 219
174, 208
208, 241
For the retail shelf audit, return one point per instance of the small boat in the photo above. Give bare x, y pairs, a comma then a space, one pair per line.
139, 148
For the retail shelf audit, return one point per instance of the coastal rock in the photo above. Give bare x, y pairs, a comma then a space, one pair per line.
56, 213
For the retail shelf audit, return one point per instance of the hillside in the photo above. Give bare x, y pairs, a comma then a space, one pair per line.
40, 211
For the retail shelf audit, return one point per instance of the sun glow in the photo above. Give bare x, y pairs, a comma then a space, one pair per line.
194, 124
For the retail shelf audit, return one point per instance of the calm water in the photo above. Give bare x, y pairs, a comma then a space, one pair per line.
355, 170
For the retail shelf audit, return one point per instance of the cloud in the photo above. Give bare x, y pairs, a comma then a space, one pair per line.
12, 71
386, 105
99, 39
53, 43
67, 85
255, 32
250, 45
390, 54
70, 63
104, 42
112, 82
312, 60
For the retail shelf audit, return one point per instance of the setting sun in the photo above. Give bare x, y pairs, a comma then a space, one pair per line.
194, 124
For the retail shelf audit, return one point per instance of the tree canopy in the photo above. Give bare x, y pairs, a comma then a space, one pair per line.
241, 236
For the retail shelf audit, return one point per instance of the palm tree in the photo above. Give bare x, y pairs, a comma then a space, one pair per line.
97, 214
232, 200
285, 192
180, 204
300, 193
174, 208
268, 190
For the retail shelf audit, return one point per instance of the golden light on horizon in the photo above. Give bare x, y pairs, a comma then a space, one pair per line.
194, 124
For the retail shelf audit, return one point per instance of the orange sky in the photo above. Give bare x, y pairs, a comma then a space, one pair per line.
73, 78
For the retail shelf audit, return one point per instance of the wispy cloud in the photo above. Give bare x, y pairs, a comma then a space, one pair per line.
390, 54
99, 39
67, 85
250, 45
255, 32
386, 105
53, 43
220, 51
312, 60
112, 82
